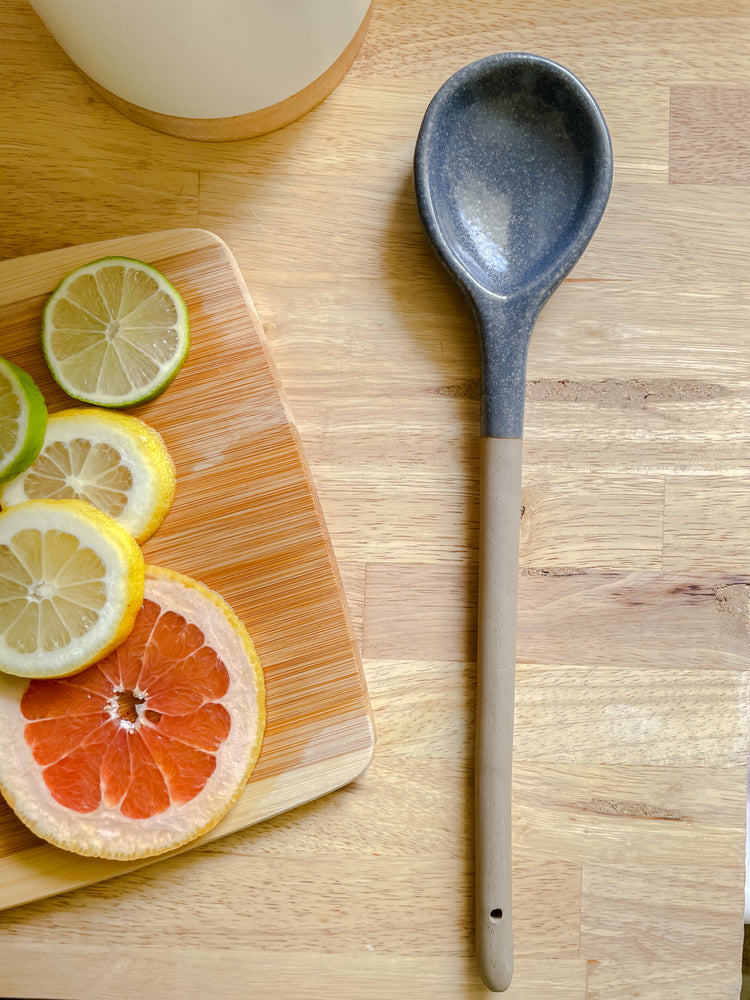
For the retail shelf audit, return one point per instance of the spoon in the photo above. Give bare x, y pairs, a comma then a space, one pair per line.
512, 172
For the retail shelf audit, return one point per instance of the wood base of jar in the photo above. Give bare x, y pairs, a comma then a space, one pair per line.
255, 122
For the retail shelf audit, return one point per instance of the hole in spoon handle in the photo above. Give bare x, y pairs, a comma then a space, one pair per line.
499, 525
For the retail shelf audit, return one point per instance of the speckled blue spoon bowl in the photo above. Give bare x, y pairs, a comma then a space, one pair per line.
512, 172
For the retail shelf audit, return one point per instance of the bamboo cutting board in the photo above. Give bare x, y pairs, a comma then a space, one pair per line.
245, 522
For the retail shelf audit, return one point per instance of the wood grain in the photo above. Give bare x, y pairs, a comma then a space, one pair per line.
709, 135
631, 734
245, 522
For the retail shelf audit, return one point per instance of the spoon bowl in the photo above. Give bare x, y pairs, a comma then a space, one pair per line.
512, 173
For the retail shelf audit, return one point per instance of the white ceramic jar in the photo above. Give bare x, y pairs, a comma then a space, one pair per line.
210, 69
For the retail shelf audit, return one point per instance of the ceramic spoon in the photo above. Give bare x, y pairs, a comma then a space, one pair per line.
512, 170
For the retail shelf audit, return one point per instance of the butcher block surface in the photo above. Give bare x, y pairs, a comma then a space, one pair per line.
245, 521
633, 679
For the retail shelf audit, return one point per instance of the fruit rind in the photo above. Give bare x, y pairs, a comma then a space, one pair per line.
104, 833
136, 396
35, 420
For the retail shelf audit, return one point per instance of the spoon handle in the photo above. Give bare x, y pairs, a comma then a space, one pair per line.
499, 527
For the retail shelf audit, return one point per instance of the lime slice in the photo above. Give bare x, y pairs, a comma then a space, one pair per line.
23, 417
113, 460
115, 332
71, 584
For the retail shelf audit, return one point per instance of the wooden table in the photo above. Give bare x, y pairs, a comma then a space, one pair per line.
634, 609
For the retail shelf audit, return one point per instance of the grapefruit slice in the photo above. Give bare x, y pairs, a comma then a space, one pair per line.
150, 747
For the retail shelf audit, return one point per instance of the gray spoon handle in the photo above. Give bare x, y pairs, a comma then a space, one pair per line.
499, 525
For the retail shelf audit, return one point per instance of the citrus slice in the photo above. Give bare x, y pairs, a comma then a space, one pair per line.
149, 748
71, 583
23, 417
113, 460
115, 332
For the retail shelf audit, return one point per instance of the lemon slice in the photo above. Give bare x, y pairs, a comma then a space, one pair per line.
23, 417
115, 332
113, 460
71, 584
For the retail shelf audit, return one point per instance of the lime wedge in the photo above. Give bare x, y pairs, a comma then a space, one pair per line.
23, 418
115, 332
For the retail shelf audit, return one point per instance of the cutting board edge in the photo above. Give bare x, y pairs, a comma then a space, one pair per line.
299, 444
64, 872
110, 246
